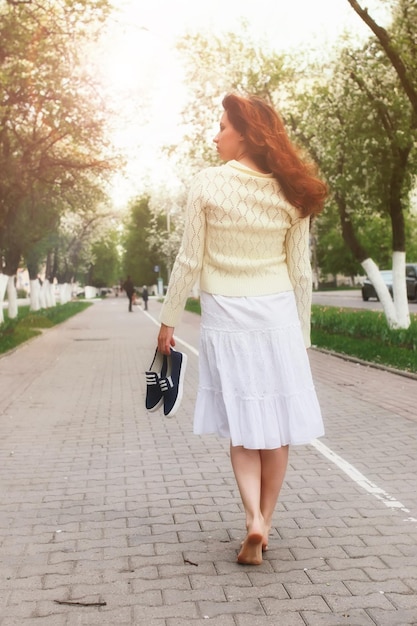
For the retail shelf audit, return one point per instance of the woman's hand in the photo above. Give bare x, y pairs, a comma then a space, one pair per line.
166, 339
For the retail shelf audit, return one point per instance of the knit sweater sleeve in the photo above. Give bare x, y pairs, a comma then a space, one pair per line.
189, 259
299, 269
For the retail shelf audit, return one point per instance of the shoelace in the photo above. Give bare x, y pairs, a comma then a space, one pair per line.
165, 384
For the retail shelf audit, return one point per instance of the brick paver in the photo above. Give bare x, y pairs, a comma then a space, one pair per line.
112, 516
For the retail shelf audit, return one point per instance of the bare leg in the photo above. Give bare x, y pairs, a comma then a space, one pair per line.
248, 472
259, 476
273, 468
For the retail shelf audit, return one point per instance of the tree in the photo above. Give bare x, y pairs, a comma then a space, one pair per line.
400, 48
52, 119
167, 224
139, 259
105, 266
398, 45
357, 125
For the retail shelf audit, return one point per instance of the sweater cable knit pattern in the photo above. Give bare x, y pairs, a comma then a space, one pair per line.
241, 238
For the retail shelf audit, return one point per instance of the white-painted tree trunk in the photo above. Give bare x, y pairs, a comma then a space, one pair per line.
48, 295
90, 292
65, 293
42, 301
400, 290
3, 285
396, 309
52, 294
13, 308
35, 289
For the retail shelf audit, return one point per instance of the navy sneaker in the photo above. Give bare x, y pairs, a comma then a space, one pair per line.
172, 385
157, 370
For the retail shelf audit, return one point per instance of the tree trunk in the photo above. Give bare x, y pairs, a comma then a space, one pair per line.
396, 210
400, 289
348, 233
372, 271
13, 308
35, 289
42, 301
3, 285
64, 293
46, 294
11, 266
396, 309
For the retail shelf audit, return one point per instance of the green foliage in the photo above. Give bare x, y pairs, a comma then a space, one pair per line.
363, 324
193, 305
105, 269
371, 350
165, 230
365, 335
52, 120
27, 324
357, 127
358, 123
70, 250
139, 258
12, 335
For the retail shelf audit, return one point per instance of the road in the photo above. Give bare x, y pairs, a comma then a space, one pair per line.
351, 298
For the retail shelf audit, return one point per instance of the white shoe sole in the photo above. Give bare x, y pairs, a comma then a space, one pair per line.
180, 387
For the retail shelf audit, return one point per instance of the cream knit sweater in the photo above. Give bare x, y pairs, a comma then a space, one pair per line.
241, 238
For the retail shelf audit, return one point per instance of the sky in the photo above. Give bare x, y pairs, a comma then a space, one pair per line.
142, 70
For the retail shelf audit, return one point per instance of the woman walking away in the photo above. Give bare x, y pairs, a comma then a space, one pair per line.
246, 239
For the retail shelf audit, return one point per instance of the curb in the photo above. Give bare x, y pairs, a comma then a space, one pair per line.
378, 366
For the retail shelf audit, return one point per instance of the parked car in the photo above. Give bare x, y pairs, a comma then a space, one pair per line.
368, 290
411, 278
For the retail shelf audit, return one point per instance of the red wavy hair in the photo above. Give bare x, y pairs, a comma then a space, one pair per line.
271, 149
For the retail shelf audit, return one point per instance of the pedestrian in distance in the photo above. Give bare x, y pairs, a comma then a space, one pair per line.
145, 297
129, 288
246, 239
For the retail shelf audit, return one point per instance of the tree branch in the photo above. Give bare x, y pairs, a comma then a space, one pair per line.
380, 107
385, 40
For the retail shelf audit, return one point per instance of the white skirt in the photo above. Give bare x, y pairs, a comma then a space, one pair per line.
255, 384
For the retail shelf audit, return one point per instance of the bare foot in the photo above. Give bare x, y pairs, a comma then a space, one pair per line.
264, 544
265, 540
251, 550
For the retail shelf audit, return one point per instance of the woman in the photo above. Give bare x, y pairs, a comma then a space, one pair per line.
247, 239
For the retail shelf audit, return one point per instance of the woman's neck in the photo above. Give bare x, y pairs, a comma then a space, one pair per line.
247, 161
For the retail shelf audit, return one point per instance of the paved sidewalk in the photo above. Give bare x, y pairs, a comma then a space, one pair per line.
112, 516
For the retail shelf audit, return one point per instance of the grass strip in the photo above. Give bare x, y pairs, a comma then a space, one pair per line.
28, 323
365, 335
369, 350
363, 324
